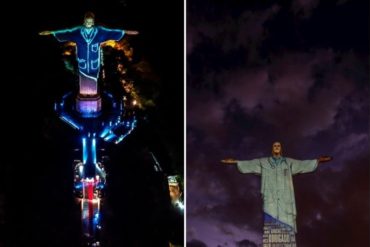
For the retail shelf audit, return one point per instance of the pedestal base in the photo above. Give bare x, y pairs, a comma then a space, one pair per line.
276, 234
88, 107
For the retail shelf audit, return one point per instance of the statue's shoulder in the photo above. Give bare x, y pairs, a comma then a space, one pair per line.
288, 160
265, 161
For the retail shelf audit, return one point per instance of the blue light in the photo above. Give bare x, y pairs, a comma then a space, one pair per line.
109, 137
94, 150
84, 150
78, 186
122, 137
70, 122
104, 132
100, 186
65, 96
96, 218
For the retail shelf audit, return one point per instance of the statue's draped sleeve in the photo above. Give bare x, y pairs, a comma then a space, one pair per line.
110, 34
249, 166
303, 166
65, 35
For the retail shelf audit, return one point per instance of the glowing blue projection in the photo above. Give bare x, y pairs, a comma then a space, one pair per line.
84, 151
94, 150
94, 120
122, 137
88, 38
96, 218
78, 185
88, 42
104, 132
70, 122
109, 137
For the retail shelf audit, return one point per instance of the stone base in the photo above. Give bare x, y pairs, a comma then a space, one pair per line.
278, 235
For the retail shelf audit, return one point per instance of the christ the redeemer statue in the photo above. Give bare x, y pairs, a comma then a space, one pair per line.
88, 39
277, 192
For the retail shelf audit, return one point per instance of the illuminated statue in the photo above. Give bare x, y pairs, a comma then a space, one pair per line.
177, 220
83, 112
88, 39
278, 193
175, 192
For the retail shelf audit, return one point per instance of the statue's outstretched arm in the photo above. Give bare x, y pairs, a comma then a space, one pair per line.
131, 32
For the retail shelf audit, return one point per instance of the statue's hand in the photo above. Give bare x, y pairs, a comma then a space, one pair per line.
322, 159
129, 32
43, 33
229, 161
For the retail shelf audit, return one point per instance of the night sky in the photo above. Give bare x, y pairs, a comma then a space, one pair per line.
293, 71
37, 206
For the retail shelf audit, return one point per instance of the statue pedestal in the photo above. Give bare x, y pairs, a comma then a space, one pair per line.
88, 106
88, 86
276, 234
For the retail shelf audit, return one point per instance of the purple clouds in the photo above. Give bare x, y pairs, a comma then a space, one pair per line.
258, 73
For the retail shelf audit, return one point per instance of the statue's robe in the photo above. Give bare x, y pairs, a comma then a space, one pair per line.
278, 194
88, 51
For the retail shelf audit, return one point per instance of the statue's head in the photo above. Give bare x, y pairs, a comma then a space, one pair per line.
277, 149
89, 19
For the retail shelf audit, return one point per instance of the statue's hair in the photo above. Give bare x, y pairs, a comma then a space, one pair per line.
89, 14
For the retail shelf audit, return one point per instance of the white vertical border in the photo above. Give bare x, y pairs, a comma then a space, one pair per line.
184, 178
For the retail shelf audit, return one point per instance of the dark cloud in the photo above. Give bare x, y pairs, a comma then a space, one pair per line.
229, 30
196, 243
246, 243
304, 8
337, 208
